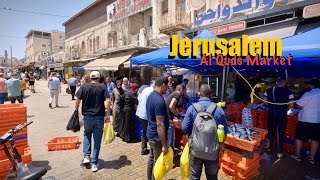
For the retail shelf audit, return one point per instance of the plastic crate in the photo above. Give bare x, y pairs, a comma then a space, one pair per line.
240, 143
63, 143
5, 164
246, 170
237, 159
227, 170
239, 176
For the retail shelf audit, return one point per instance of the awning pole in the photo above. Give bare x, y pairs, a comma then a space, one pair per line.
223, 83
130, 73
286, 72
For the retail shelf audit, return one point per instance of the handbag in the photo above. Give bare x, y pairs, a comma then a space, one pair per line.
68, 91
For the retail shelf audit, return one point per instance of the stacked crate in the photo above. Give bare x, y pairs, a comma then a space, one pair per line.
10, 116
239, 157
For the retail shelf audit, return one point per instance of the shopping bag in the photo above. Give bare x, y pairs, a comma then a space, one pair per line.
163, 164
170, 137
184, 163
68, 91
74, 124
108, 133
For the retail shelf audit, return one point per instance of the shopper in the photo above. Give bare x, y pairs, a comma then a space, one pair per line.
309, 121
31, 82
110, 85
72, 83
93, 95
3, 90
85, 79
127, 123
125, 84
142, 114
197, 160
55, 88
117, 100
13, 87
185, 83
277, 114
158, 123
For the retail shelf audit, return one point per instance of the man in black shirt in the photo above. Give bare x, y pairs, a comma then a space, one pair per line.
93, 96
277, 114
172, 102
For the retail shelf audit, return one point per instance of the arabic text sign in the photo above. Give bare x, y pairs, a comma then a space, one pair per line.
124, 8
228, 28
311, 11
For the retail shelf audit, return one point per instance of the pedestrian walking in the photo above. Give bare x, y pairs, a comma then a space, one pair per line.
203, 142
118, 102
142, 114
3, 90
277, 114
72, 83
158, 123
54, 86
31, 82
110, 85
13, 87
93, 95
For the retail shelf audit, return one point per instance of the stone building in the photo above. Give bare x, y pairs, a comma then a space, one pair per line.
41, 44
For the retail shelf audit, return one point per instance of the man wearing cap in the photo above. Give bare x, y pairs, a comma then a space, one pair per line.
55, 88
277, 114
309, 121
93, 95
3, 90
13, 87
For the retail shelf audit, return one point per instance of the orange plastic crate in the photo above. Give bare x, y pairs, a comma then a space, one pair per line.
4, 106
227, 170
63, 143
240, 143
5, 164
237, 159
239, 176
246, 170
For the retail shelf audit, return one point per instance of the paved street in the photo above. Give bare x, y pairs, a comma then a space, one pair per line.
118, 160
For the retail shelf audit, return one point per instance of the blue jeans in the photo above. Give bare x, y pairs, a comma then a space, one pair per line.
92, 125
2, 96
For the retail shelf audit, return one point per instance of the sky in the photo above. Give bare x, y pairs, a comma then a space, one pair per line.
14, 26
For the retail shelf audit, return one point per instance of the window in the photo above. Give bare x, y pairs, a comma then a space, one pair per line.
181, 4
83, 47
199, 11
94, 44
61, 47
150, 20
164, 7
90, 45
98, 43
43, 45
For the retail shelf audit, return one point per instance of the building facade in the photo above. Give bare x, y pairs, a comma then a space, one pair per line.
40, 44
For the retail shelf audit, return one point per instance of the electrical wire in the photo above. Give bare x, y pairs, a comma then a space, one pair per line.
263, 99
32, 12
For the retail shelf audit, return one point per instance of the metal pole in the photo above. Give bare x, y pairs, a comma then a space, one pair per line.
286, 72
11, 55
223, 83
130, 74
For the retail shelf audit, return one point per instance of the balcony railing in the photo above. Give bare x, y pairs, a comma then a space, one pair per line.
174, 21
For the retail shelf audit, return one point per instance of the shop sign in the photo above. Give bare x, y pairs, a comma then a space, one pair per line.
208, 11
56, 65
311, 11
124, 8
229, 28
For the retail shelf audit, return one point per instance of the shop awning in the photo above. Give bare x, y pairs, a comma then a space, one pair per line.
110, 63
77, 68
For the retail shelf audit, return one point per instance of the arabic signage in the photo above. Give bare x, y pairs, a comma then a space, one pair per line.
208, 11
124, 8
229, 28
311, 11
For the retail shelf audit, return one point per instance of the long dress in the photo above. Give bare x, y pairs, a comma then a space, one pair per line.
127, 123
117, 107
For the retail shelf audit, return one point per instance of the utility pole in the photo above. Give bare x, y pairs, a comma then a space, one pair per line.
11, 55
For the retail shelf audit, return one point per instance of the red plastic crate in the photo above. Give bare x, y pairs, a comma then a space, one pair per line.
5, 164
63, 143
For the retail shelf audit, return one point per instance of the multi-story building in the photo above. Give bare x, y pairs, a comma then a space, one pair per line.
41, 44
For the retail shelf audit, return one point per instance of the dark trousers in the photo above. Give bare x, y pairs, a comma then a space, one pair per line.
277, 124
144, 139
195, 166
18, 98
73, 91
155, 151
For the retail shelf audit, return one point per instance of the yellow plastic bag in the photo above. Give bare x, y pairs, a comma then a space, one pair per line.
184, 163
108, 133
163, 164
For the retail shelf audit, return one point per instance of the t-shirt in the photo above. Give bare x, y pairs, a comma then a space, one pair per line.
13, 86
310, 102
93, 96
281, 95
3, 85
142, 106
177, 96
156, 106
73, 81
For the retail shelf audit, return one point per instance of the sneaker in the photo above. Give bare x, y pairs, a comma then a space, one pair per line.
311, 160
296, 157
50, 106
144, 152
57, 106
94, 167
86, 160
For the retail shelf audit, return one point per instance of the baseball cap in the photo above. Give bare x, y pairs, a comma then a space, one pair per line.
94, 75
314, 82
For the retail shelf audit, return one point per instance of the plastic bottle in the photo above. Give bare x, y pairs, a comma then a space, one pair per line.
220, 132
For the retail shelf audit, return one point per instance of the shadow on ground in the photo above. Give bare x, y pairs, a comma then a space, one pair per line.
121, 162
44, 164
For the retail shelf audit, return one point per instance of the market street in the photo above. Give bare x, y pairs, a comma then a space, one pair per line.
119, 160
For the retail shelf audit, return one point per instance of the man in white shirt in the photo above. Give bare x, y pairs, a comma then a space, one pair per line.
308, 127
55, 88
142, 114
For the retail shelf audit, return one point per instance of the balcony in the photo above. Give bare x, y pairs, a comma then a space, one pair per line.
173, 22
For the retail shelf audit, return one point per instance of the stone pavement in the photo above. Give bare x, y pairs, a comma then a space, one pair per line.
118, 160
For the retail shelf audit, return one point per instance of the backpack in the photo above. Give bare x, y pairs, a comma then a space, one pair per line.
203, 140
